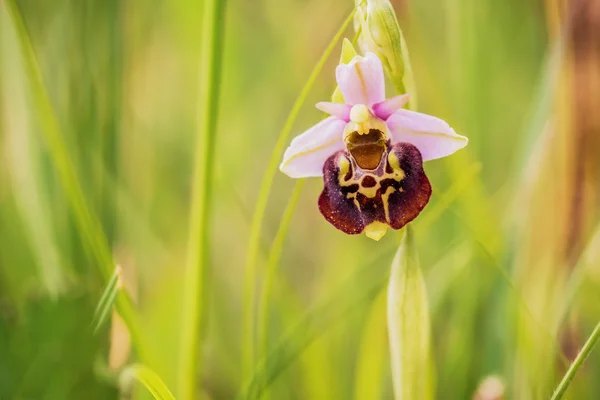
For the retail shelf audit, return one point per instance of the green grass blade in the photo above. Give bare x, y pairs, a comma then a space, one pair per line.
348, 53
356, 292
25, 165
261, 206
590, 256
194, 306
272, 263
371, 363
105, 305
149, 379
408, 324
292, 344
88, 225
577, 363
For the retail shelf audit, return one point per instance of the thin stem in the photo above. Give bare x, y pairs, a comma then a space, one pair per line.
194, 306
248, 356
272, 263
88, 225
275, 256
577, 363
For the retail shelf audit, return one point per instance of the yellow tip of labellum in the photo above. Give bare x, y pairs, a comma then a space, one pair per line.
376, 230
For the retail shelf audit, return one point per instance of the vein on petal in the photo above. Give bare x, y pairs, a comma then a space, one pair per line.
302, 153
361, 79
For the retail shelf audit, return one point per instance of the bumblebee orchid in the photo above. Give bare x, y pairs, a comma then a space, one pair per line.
370, 153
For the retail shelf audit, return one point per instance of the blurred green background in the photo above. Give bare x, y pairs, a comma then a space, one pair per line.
507, 243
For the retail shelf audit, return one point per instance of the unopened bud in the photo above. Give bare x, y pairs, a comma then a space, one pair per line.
380, 33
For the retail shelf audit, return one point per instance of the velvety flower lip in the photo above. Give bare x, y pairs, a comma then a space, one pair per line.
393, 195
367, 153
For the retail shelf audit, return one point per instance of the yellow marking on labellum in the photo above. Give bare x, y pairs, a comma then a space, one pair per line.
375, 230
344, 165
395, 164
370, 192
369, 183
354, 199
385, 200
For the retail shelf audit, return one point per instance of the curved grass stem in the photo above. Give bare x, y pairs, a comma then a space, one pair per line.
248, 354
272, 263
577, 363
88, 225
196, 274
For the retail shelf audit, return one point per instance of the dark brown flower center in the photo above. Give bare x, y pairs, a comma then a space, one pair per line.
366, 149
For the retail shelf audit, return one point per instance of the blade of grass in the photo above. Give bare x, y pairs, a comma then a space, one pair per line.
372, 354
24, 161
355, 292
104, 307
261, 206
277, 358
149, 379
348, 52
194, 300
364, 284
590, 256
492, 256
272, 263
408, 324
88, 225
577, 363
446, 198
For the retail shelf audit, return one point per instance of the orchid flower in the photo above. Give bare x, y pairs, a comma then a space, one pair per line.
370, 153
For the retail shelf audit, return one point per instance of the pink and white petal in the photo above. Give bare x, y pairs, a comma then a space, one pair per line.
432, 136
342, 111
361, 80
384, 109
308, 151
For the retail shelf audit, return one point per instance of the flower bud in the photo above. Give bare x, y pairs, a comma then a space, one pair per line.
380, 33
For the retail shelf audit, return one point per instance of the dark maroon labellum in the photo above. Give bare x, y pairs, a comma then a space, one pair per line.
393, 193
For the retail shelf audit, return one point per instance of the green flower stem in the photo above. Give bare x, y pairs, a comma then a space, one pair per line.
248, 356
581, 357
271, 271
195, 298
88, 225
275, 256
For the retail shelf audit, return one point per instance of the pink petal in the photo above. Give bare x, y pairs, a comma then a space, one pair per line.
342, 111
386, 108
308, 151
361, 81
432, 136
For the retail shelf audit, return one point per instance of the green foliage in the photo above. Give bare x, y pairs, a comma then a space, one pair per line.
48, 352
100, 116
105, 306
149, 379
